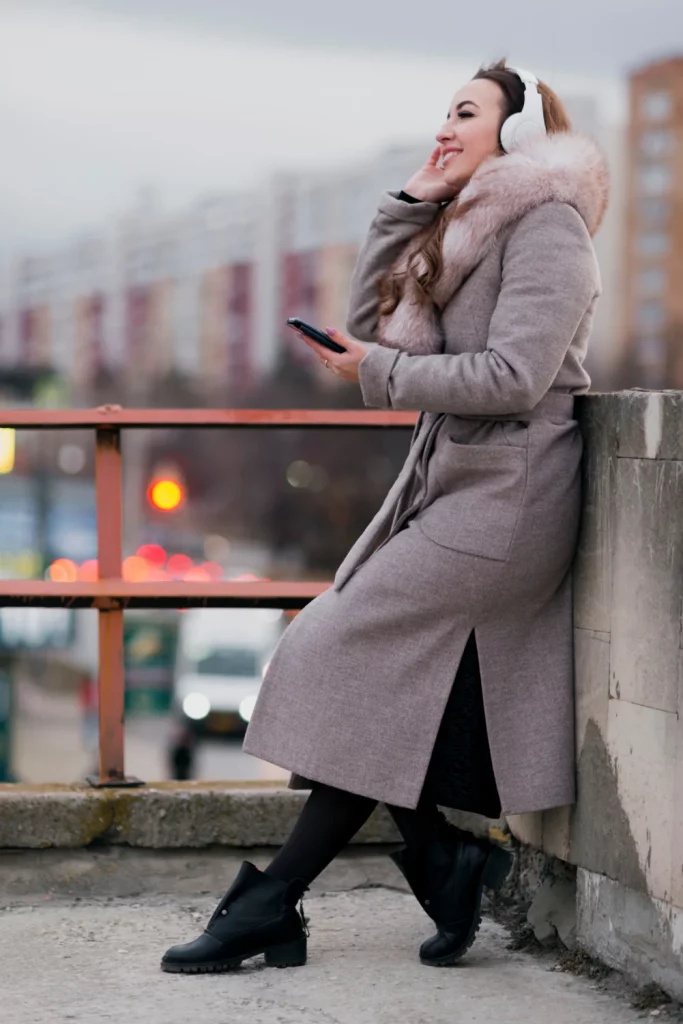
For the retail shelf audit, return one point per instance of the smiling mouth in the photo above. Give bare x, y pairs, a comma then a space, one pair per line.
447, 156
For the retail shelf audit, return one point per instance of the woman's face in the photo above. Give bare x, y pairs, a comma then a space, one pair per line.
470, 133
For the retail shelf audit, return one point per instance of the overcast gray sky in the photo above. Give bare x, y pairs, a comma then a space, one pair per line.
576, 35
101, 97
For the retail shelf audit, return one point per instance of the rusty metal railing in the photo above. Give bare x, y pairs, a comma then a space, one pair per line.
111, 594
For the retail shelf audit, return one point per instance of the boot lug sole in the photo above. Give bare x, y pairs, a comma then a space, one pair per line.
217, 968
275, 957
452, 958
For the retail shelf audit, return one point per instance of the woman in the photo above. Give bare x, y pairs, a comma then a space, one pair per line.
479, 282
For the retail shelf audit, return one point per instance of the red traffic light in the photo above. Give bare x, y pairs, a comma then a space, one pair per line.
166, 495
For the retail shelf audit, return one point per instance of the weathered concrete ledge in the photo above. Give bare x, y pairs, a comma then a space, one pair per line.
170, 816
178, 838
160, 816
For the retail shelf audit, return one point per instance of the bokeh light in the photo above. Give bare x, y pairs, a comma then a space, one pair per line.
63, 570
153, 553
135, 569
165, 495
88, 572
214, 570
178, 566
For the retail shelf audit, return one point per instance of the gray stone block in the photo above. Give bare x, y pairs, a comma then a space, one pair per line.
630, 931
598, 417
591, 690
650, 424
557, 823
591, 681
602, 837
642, 746
677, 833
647, 586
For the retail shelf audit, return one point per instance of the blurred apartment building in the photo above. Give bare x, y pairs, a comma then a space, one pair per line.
652, 323
205, 293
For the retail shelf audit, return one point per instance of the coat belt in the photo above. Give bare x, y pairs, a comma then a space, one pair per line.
553, 405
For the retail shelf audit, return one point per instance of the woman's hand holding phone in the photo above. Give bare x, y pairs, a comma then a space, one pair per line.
342, 364
428, 183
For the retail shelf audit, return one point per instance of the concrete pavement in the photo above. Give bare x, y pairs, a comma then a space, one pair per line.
98, 961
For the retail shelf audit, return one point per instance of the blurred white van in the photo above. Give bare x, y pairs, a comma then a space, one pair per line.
222, 655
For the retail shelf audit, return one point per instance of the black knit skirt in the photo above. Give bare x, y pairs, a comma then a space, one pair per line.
460, 773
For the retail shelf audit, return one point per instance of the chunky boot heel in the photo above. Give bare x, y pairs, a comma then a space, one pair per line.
498, 865
290, 954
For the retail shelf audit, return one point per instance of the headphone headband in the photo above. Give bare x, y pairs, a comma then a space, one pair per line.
529, 122
526, 76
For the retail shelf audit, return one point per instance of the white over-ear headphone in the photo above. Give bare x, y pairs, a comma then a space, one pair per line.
530, 121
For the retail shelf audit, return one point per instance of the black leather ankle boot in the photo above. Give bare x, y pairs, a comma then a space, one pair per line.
258, 914
448, 875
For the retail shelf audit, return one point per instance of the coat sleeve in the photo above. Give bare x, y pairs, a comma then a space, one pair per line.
395, 223
549, 281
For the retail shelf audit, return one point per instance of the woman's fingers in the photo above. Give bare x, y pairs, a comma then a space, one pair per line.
320, 350
342, 364
434, 158
309, 342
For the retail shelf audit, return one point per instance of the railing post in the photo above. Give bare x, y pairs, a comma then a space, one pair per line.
111, 683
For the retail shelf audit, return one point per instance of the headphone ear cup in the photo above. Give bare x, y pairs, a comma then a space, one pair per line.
517, 130
529, 121
508, 132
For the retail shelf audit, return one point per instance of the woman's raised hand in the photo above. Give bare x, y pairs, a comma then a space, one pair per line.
428, 183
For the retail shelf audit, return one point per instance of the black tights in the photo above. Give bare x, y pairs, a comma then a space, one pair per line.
328, 822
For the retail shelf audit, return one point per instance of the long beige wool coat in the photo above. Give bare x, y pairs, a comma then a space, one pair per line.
479, 529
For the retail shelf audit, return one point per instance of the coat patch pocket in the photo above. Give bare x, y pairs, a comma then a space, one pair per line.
482, 491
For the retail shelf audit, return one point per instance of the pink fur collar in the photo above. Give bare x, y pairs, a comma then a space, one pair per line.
565, 168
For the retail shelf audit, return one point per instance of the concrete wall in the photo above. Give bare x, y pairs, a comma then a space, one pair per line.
625, 834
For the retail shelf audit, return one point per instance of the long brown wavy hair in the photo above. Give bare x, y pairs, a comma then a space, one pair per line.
430, 254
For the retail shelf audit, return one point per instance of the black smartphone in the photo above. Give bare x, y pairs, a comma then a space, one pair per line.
314, 333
